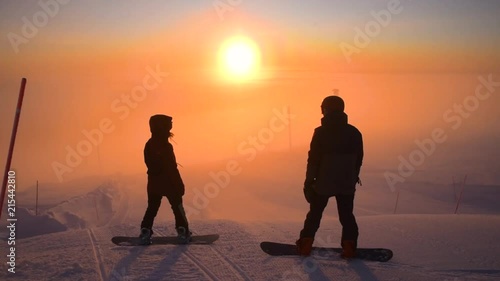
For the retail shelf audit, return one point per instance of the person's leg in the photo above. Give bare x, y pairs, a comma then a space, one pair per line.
313, 218
154, 202
349, 239
179, 213
311, 224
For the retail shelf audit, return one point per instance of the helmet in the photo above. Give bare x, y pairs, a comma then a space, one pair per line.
333, 103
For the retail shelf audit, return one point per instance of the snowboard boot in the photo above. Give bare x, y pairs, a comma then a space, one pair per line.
304, 246
183, 235
348, 249
145, 236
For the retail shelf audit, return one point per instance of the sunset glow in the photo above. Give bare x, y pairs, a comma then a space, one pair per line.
239, 59
222, 71
272, 128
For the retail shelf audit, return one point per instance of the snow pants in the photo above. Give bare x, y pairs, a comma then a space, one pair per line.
154, 202
345, 205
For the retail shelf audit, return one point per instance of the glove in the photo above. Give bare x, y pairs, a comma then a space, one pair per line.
309, 192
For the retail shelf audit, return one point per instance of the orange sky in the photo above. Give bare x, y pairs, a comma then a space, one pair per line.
394, 89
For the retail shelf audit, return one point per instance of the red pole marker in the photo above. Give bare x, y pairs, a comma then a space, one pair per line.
12, 141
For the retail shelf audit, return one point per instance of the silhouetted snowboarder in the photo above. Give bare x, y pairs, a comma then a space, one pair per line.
333, 167
164, 179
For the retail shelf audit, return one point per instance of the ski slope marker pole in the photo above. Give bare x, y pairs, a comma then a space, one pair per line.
12, 141
461, 192
397, 201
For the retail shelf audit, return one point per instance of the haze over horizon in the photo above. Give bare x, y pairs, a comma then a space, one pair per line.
420, 72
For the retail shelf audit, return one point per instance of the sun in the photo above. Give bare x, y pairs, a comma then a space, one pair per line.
239, 59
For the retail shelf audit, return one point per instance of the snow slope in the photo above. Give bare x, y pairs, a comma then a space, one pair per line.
426, 247
439, 246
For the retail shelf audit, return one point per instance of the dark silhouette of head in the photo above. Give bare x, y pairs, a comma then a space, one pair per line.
332, 104
160, 125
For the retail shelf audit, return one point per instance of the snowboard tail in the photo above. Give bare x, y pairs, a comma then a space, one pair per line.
165, 240
368, 254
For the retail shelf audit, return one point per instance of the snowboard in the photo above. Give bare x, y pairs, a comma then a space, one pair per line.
368, 254
165, 240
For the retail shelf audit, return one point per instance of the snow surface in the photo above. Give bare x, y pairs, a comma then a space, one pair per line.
70, 238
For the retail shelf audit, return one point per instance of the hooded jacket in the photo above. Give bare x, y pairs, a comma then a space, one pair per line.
163, 176
335, 156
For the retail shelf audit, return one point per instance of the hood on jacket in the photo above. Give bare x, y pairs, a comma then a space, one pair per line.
160, 126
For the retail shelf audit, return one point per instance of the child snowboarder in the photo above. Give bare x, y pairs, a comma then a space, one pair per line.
164, 179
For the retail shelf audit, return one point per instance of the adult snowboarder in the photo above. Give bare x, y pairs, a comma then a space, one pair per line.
333, 166
164, 179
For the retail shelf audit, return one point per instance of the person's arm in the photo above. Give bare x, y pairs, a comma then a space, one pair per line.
153, 157
173, 171
313, 160
147, 157
360, 153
